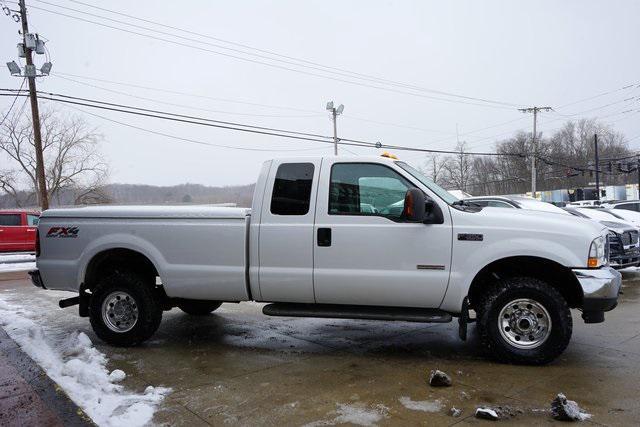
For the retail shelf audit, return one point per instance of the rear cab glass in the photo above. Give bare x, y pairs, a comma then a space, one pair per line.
292, 189
10, 220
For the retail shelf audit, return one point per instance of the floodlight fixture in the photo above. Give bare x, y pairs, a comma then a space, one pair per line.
340, 109
14, 68
46, 68
329, 105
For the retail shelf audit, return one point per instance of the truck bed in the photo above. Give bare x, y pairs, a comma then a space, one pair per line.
199, 252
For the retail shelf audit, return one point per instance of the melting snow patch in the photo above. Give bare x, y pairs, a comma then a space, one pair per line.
80, 369
360, 415
357, 414
421, 405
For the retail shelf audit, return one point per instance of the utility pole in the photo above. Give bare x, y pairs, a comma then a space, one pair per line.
335, 112
595, 147
534, 155
30, 73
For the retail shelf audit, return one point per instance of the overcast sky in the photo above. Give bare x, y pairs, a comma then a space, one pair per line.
521, 53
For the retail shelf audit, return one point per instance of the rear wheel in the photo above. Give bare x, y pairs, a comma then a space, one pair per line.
124, 309
199, 308
524, 320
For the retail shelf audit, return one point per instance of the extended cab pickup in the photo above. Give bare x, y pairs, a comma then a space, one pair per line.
363, 238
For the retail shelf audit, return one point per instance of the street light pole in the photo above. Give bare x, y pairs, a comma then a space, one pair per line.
335, 112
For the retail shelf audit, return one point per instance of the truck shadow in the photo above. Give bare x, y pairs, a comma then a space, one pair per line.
235, 331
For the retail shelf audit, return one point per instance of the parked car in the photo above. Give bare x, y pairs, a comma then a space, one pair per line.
324, 238
630, 216
624, 248
18, 230
631, 205
515, 202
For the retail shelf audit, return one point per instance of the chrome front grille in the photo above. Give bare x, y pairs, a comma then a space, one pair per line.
629, 238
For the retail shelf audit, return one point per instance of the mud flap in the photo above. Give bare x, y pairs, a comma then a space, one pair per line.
463, 320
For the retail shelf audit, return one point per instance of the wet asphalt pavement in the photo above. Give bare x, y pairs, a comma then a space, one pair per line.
240, 367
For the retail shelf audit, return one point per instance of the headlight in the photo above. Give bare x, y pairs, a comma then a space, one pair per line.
597, 253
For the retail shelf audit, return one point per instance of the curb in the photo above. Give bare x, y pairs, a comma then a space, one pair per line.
50, 393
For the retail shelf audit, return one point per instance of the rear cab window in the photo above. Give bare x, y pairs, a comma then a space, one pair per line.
10, 220
292, 189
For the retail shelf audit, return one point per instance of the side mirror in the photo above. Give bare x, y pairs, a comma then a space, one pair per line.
414, 205
433, 213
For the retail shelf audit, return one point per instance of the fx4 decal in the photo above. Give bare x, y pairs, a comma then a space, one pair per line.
63, 232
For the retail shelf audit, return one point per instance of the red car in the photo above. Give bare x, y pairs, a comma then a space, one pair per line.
18, 230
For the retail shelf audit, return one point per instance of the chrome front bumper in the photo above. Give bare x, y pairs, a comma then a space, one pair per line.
600, 289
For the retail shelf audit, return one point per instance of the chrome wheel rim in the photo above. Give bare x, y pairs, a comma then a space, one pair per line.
119, 311
524, 323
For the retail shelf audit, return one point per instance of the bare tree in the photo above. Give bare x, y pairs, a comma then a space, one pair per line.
73, 162
458, 168
434, 167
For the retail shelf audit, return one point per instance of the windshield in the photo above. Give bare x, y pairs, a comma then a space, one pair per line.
440, 192
536, 205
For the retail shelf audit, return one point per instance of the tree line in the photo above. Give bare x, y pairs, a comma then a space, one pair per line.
565, 160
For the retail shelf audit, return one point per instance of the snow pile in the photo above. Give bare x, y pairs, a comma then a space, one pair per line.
487, 414
421, 405
80, 369
18, 266
7, 258
563, 409
17, 262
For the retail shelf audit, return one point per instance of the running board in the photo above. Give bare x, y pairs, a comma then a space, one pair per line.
335, 311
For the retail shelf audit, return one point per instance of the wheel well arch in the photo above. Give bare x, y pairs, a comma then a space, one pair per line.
118, 259
551, 272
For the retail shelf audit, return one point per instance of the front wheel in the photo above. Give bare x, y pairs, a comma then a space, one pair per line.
124, 309
524, 320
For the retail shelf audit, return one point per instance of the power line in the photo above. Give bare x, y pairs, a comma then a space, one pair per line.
288, 59
62, 76
185, 116
189, 140
182, 105
387, 89
600, 95
13, 103
234, 126
174, 92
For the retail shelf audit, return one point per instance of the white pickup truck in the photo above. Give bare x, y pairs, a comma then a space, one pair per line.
336, 237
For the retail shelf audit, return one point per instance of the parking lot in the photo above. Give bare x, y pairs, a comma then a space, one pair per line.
242, 368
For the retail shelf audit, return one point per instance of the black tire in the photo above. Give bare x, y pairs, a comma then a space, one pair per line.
499, 296
143, 299
199, 308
